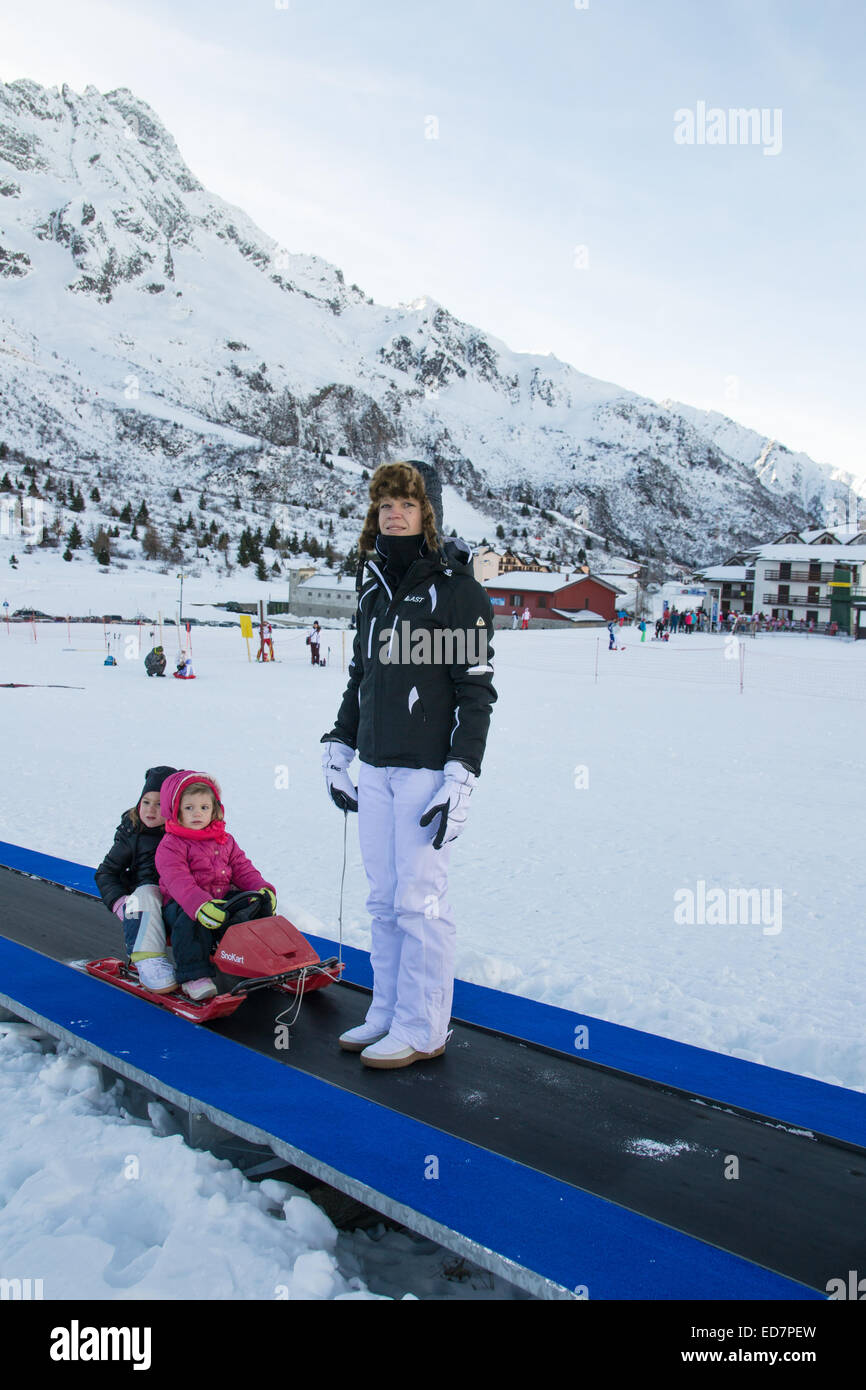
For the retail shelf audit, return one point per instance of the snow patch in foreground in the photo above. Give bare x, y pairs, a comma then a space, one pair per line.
99, 1204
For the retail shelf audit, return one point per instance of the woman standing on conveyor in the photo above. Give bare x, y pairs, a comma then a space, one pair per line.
417, 709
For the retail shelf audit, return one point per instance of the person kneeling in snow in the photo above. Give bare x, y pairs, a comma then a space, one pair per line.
154, 662
200, 865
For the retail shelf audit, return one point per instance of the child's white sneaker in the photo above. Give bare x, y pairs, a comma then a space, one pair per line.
156, 974
199, 989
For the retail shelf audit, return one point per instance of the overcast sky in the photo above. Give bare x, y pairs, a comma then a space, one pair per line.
564, 174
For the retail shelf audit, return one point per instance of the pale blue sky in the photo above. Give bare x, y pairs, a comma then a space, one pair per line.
715, 274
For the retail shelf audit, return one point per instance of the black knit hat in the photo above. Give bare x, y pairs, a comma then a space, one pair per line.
154, 778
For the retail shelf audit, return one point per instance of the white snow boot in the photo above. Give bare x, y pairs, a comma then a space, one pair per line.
391, 1052
156, 974
356, 1039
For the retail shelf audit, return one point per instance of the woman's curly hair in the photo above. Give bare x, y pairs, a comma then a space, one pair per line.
397, 480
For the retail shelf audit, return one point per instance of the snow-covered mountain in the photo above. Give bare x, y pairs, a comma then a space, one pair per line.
151, 333
827, 493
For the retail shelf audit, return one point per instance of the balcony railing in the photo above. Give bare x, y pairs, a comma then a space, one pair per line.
799, 575
794, 601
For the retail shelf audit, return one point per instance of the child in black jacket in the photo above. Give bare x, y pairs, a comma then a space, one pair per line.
129, 884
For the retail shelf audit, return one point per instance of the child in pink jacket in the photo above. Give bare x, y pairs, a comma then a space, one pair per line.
199, 865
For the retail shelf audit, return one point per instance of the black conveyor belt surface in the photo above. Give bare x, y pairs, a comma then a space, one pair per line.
797, 1206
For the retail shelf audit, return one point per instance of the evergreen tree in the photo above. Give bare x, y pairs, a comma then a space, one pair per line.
273, 537
33, 490
74, 540
126, 514
5, 483
151, 545
77, 503
94, 495
201, 503
101, 546
176, 497
261, 572
142, 516
67, 554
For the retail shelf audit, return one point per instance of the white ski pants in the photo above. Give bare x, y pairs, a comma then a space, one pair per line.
413, 930
143, 927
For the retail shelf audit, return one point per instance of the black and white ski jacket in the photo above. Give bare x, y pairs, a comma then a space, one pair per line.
130, 861
420, 685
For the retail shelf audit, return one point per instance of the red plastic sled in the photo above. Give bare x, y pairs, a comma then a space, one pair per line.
268, 953
271, 951
117, 972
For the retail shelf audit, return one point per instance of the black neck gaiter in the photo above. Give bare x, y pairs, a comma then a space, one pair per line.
399, 552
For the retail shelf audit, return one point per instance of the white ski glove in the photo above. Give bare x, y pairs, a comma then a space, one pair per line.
335, 762
451, 803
